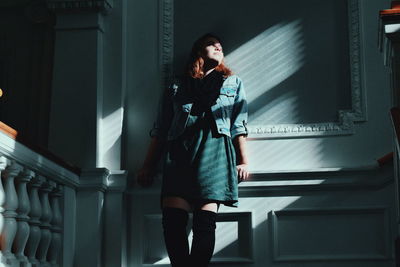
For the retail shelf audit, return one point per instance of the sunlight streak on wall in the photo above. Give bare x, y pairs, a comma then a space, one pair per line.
110, 132
281, 108
290, 154
266, 61
258, 206
162, 261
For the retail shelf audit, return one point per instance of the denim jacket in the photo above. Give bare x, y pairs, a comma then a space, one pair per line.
229, 111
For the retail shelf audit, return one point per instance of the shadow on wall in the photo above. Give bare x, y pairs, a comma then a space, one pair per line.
294, 62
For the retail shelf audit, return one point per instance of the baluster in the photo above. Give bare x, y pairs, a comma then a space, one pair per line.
34, 222
45, 239
10, 207
24, 207
3, 164
56, 226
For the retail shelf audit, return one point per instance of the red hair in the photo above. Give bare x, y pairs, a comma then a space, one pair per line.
195, 65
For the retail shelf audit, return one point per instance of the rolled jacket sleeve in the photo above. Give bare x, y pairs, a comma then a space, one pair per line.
239, 113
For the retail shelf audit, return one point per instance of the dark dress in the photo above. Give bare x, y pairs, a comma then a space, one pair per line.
200, 165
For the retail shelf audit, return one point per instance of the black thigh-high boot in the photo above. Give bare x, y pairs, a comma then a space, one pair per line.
174, 222
204, 224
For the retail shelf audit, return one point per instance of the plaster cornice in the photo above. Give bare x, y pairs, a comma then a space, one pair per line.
72, 6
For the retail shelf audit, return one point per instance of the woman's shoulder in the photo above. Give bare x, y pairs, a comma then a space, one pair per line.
233, 79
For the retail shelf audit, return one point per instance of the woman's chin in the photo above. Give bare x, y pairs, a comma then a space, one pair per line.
213, 62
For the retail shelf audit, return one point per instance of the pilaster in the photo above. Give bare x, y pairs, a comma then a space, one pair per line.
114, 244
90, 217
77, 97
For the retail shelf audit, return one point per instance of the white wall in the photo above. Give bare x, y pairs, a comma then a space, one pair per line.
371, 139
143, 87
304, 218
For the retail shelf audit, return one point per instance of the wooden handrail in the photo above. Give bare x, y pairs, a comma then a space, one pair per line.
8, 130
393, 11
12, 133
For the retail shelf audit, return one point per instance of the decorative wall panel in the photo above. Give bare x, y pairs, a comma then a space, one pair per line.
339, 121
330, 234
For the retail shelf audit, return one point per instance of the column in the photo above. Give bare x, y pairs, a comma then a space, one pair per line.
34, 221
45, 225
56, 226
89, 217
114, 248
78, 80
69, 207
24, 207
10, 214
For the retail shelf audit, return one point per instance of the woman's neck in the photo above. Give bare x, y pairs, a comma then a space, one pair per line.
208, 72
209, 66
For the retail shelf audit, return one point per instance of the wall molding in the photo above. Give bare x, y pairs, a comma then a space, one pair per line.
292, 182
245, 240
331, 179
166, 31
279, 256
69, 6
346, 118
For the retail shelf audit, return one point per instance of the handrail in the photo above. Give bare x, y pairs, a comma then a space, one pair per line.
8, 130
393, 11
12, 133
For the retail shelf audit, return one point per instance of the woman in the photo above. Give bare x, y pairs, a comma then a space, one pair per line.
201, 124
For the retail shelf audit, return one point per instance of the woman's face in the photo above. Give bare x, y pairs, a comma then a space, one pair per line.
213, 51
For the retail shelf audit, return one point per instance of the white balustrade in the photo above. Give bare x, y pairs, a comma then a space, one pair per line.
10, 206
45, 219
40, 204
56, 226
34, 222
24, 207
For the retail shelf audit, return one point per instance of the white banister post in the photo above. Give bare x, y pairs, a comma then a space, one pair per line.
90, 217
34, 222
45, 219
115, 238
3, 164
56, 226
24, 207
68, 208
10, 207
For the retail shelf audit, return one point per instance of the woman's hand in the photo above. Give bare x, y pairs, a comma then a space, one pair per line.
243, 173
239, 142
145, 176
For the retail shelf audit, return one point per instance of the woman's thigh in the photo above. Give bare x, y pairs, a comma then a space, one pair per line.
210, 206
181, 203
176, 202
